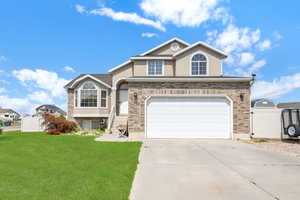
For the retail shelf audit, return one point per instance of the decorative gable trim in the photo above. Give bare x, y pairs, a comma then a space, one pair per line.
163, 44
88, 76
223, 54
151, 58
119, 66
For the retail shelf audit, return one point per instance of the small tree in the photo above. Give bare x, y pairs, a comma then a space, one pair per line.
57, 125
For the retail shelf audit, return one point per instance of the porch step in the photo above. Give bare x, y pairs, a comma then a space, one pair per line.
119, 121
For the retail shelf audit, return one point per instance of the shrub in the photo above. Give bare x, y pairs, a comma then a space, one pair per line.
53, 132
56, 125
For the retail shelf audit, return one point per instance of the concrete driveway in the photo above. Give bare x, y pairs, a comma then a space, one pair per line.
213, 169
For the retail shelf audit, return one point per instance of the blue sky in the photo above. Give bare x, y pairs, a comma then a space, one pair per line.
44, 44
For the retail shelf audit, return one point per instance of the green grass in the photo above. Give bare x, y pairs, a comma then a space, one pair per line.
36, 166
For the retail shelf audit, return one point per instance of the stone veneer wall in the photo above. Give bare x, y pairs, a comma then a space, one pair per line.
241, 108
70, 104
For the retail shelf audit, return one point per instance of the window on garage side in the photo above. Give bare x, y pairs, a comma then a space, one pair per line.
88, 95
155, 67
199, 65
103, 102
76, 98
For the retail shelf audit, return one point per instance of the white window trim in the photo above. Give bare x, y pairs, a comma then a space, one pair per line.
163, 69
106, 106
207, 64
76, 95
98, 97
79, 96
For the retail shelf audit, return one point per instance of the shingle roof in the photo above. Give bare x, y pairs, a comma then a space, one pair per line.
106, 78
270, 103
291, 105
5, 110
53, 107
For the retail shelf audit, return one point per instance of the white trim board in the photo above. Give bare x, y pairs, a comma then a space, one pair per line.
152, 58
91, 77
203, 44
91, 115
200, 79
163, 44
119, 66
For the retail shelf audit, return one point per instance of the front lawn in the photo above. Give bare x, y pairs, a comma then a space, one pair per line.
47, 167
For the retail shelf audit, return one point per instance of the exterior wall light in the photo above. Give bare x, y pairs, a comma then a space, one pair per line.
242, 97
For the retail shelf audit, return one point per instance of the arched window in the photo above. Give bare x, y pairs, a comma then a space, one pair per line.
199, 64
88, 95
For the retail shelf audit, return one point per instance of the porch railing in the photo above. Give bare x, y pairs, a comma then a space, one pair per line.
111, 117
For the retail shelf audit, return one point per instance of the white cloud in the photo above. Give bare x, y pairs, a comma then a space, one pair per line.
234, 38
80, 8
183, 13
40, 97
63, 106
122, 16
277, 35
242, 44
246, 58
149, 35
264, 45
2, 90
68, 68
21, 105
277, 87
257, 65
3, 58
42, 79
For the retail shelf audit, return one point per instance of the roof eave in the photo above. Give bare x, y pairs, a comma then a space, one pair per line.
87, 76
152, 58
200, 79
165, 43
223, 54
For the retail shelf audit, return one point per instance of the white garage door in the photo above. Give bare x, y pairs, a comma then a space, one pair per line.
188, 117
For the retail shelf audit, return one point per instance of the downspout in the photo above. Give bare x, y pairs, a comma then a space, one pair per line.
251, 113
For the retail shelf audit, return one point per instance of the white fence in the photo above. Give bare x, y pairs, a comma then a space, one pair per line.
32, 124
266, 123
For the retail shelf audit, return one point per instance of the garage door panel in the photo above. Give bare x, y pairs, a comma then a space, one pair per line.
188, 118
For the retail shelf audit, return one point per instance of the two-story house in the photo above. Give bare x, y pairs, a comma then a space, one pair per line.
7, 114
50, 109
175, 90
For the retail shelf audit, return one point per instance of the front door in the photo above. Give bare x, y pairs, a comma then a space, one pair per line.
123, 102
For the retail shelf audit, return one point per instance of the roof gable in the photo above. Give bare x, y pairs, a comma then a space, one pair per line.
167, 43
185, 47
104, 79
222, 54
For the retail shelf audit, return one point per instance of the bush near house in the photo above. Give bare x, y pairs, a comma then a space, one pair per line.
57, 125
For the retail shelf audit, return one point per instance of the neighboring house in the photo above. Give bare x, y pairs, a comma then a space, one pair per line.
9, 115
262, 103
50, 109
290, 105
175, 90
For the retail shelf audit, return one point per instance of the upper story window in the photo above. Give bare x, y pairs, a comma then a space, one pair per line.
199, 64
155, 67
88, 95
103, 102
